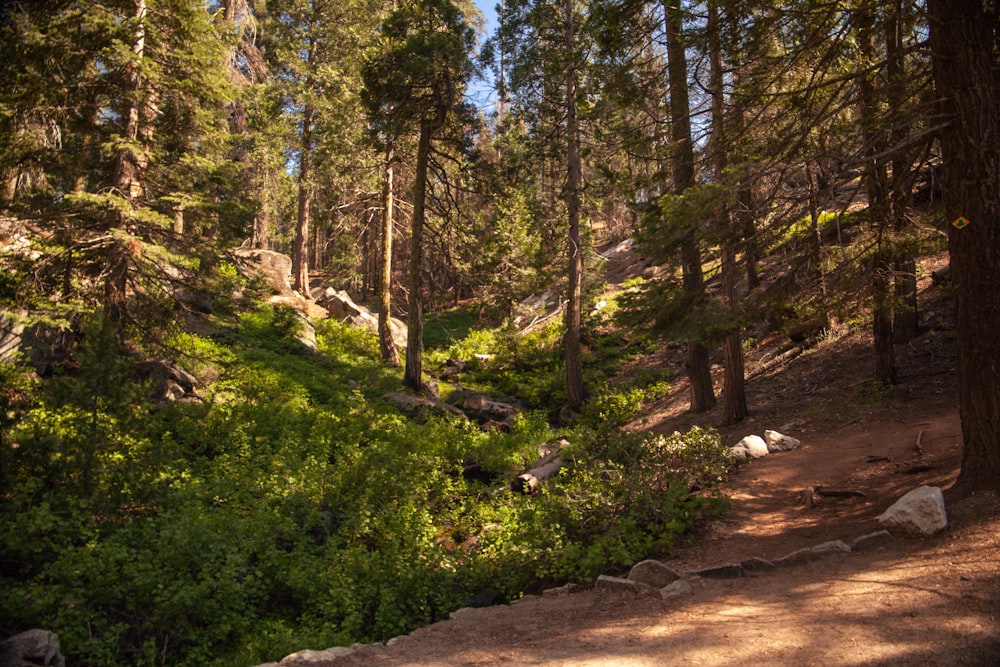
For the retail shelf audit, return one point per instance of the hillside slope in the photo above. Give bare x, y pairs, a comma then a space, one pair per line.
933, 601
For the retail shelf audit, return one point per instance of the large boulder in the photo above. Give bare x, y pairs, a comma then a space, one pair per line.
169, 381
31, 648
653, 573
341, 306
483, 408
920, 512
33, 339
274, 267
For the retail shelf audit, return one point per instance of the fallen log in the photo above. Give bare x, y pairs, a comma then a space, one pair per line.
542, 469
418, 405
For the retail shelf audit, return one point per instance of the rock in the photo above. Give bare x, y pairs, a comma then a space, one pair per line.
776, 442
560, 591
31, 648
724, 571
493, 426
483, 408
274, 267
810, 554
872, 541
752, 446
27, 337
339, 305
756, 565
299, 304
170, 381
653, 573
616, 584
12, 325
679, 587
309, 657
920, 512
418, 405
305, 330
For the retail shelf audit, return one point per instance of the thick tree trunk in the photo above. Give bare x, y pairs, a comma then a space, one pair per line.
682, 165
734, 392
575, 390
963, 49
385, 341
412, 374
129, 165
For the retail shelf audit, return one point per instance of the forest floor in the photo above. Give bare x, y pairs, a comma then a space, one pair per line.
930, 601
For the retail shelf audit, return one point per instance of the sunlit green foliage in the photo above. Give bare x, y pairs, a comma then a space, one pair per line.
291, 506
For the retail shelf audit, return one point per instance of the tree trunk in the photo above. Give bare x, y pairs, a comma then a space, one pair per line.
412, 374
128, 167
682, 164
385, 341
905, 311
575, 390
734, 392
876, 181
963, 50
127, 162
300, 251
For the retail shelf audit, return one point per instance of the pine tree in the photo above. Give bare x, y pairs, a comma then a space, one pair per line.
418, 75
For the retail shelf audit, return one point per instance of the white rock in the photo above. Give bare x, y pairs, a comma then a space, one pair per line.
311, 657
752, 446
776, 442
919, 512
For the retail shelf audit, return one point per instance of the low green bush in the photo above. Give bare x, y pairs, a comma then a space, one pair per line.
290, 507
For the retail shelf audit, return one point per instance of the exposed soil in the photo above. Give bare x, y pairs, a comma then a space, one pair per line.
931, 601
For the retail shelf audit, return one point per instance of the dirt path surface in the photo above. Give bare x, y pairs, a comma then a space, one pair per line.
930, 601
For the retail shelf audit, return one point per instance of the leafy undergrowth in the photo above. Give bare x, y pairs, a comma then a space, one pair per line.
293, 507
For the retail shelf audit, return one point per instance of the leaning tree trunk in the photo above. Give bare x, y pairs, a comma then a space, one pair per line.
965, 66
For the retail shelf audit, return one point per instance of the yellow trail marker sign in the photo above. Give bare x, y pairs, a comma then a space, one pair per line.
961, 223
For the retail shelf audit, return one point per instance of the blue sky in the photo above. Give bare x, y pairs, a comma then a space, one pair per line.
480, 92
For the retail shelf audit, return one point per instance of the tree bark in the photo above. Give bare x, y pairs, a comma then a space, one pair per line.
876, 180
964, 55
412, 374
385, 341
905, 311
682, 166
734, 393
575, 390
129, 166
300, 250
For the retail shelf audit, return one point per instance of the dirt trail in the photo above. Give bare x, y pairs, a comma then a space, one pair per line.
933, 601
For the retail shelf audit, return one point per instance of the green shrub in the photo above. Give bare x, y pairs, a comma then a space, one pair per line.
290, 508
